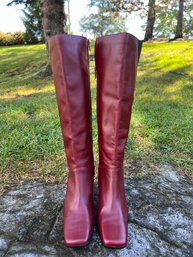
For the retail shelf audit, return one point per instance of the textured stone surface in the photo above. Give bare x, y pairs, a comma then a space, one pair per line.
160, 219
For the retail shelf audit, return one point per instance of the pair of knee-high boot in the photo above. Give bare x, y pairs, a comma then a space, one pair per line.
116, 64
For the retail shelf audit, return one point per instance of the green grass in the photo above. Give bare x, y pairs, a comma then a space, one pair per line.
162, 124
161, 129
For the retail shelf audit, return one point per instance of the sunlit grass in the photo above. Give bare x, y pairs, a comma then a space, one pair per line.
162, 124
161, 129
173, 56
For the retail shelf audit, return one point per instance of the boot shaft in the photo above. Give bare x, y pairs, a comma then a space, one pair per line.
116, 59
69, 61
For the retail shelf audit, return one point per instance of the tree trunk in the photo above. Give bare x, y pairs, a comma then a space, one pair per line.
53, 22
150, 20
53, 17
179, 26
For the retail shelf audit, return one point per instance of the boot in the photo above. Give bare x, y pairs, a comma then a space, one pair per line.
116, 59
69, 61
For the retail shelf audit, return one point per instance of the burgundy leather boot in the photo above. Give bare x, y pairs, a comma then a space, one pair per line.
69, 61
116, 65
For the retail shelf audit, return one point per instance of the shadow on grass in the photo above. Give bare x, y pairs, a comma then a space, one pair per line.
152, 64
15, 61
25, 86
31, 141
156, 83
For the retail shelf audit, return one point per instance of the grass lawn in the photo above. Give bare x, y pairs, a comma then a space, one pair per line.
161, 129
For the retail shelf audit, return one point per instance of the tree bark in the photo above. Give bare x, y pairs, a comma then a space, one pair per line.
53, 17
179, 26
53, 22
150, 20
